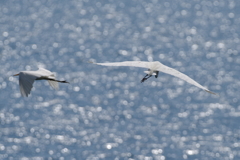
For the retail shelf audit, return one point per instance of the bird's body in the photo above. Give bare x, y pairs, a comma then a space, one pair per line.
27, 78
154, 68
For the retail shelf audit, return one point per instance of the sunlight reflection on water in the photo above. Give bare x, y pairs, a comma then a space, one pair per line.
105, 112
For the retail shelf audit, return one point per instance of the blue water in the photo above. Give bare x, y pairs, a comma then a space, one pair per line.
105, 112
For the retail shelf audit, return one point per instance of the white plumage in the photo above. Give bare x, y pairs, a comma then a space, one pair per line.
154, 68
27, 78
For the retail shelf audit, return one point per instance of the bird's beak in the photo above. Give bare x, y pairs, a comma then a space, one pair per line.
16, 74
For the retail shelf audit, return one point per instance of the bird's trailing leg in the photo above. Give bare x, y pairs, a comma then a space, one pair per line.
156, 74
57, 81
145, 78
62, 81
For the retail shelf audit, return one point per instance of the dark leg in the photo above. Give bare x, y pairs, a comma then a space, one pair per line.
145, 78
156, 74
57, 80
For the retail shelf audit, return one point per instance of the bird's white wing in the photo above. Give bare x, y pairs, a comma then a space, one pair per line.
26, 83
182, 76
44, 72
49, 75
141, 64
53, 84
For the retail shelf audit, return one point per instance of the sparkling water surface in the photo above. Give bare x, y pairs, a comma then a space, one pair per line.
105, 112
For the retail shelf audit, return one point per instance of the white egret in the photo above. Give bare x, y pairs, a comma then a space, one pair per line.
154, 68
27, 78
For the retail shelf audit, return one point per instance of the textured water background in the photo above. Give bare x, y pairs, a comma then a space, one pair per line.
106, 113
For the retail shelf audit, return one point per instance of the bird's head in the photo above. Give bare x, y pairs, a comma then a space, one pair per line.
150, 72
147, 72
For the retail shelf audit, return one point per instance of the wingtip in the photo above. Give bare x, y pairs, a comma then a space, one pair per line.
24, 94
91, 62
211, 92
16, 74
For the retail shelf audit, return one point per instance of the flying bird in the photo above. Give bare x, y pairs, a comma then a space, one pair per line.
153, 70
27, 78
